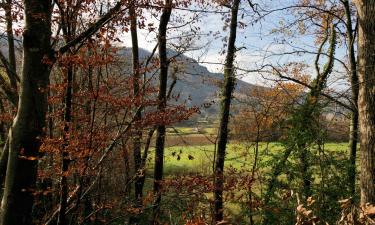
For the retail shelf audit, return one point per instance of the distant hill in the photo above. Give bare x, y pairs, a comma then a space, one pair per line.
195, 85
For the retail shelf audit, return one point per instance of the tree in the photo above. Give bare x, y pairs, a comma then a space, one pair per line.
29, 124
11, 52
343, 13
27, 128
11, 72
69, 28
353, 133
366, 102
162, 98
227, 91
137, 93
262, 110
302, 130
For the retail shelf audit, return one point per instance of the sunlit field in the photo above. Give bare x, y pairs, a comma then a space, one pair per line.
191, 156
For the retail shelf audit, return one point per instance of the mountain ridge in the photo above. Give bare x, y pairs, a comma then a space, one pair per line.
195, 85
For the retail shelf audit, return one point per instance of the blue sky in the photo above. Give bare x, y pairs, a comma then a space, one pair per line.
257, 39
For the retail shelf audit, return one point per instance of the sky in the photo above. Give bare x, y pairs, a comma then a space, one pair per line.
258, 41
252, 39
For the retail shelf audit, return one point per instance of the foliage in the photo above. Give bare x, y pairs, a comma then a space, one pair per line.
103, 111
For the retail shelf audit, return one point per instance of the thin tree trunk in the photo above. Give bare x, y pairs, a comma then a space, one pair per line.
13, 83
4, 162
29, 124
64, 152
3, 127
227, 91
353, 141
142, 176
69, 31
162, 97
277, 170
305, 173
353, 133
256, 154
11, 48
366, 103
311, 110
136, 91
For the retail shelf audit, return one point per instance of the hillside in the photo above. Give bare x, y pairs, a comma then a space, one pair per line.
195, 85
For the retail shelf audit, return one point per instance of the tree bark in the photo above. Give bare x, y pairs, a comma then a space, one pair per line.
64, 152
366, 102
353, 133
11, 48
162, 97
29, 123
227, 91
4, 162
69, 28
353, 142
137, 138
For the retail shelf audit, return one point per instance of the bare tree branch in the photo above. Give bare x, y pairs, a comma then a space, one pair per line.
93, 28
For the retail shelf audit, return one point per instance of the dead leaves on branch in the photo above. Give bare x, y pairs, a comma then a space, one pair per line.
305, 214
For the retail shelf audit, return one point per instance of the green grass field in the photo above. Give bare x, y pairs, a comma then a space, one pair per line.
192, 160
199, 159
191, 130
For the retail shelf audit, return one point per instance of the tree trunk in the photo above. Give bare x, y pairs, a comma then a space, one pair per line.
11, 48
13, 84
276, 171
3, 127
227, 91
64, 189
353, 133
142, 176
305, 172
366, 103
310, 111
137, 135
29, 124
136, 91
353, 141
4, 162
69, 31
162, 97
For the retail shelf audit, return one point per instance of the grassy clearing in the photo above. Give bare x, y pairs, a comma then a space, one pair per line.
196, 159
199, 159
191, 130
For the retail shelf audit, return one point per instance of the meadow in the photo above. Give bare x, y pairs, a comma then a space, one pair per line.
190, 153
